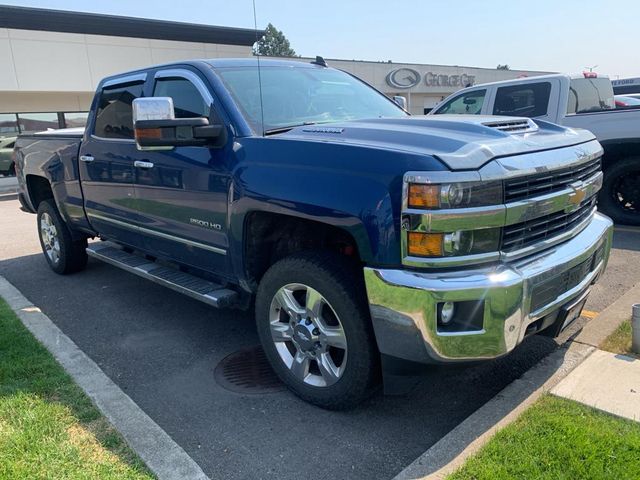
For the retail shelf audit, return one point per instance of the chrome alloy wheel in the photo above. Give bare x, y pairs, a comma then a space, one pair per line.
49, 236
308, 335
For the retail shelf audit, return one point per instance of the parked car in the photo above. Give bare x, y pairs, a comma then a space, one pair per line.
626, 101
584, 101
368, 238
7, 166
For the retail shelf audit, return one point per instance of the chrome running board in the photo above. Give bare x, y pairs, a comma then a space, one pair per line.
186, 283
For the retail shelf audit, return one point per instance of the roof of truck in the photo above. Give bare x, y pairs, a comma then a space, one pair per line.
536, 78
252, 61
216, 63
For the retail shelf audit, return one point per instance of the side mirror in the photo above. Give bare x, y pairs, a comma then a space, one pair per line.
156, 127
401, 101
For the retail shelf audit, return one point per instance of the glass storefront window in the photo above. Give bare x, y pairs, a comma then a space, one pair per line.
75, 119
8, 125
37, 122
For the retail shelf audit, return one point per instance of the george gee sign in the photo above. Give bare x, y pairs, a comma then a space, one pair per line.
408, 78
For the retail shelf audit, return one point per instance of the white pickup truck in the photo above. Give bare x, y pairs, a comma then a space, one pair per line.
580, 101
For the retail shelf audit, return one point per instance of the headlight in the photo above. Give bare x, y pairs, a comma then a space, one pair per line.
462, 242
454, 195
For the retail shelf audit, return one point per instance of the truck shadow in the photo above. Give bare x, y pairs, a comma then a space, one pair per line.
162, 349
626, 238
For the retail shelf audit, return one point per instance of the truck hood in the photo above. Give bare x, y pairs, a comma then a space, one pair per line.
460, 141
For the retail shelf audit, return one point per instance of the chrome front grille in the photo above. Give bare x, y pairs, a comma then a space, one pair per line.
548, 182
548, 197
524, 234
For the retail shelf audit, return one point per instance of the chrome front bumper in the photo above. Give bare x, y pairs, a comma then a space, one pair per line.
404, 303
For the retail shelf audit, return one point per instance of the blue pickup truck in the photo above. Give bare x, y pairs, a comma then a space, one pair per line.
362, 236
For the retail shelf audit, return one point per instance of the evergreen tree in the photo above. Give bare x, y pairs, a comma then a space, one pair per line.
274, 44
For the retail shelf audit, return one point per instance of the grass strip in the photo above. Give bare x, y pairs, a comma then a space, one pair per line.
561, 440
620, 341
48, 427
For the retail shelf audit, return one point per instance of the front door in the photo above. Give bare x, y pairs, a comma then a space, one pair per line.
181, 194
107, 157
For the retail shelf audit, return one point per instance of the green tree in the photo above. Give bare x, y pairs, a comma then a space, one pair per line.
273, 44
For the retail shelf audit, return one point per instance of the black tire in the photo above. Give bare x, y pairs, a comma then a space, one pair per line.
71, 255
338, 281
620, 194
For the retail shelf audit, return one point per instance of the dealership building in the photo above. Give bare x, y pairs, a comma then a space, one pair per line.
52, 61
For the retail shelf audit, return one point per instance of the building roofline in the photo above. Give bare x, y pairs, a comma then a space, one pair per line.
42, 19
413, 64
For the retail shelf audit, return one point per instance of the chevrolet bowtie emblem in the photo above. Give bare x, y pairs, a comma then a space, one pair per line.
577, 196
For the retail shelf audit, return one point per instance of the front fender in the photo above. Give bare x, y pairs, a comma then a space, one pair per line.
357, 189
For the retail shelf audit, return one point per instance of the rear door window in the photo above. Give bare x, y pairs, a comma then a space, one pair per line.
469, 103
527, 100
114, 117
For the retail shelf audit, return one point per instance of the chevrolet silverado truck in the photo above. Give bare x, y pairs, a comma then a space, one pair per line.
363, 237
578, 101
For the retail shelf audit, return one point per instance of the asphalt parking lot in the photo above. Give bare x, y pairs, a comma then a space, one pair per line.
162, 348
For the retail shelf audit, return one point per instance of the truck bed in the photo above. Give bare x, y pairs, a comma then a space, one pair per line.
621, 123
54, 155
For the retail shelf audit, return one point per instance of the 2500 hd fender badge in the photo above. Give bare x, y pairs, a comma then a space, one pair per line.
205, 224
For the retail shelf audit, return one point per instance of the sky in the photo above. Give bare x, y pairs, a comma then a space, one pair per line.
547, 35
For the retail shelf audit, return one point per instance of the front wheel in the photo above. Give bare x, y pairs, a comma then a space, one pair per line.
63, 254
620, 194
314, 325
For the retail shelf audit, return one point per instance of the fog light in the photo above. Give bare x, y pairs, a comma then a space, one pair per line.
446, 312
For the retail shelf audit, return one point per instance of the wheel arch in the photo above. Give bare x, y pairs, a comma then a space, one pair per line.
38, 189
618, 149
269, 237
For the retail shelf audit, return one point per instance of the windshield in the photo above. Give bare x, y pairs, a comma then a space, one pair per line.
295, 96
590, 95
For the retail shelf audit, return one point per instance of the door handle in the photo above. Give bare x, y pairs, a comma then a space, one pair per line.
86, 158
141, 164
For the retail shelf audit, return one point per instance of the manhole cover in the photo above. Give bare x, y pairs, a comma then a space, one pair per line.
247, 371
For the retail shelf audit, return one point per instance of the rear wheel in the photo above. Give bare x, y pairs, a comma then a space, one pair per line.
314, 325
64, 255
620, 194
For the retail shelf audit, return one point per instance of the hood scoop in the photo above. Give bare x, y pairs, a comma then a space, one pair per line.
520, 125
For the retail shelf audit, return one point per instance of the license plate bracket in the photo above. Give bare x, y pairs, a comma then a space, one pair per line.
571, 312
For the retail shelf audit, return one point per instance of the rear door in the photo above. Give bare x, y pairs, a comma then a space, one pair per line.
107, 161
182, 195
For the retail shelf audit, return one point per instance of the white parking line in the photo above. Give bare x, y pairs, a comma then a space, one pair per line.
164, 457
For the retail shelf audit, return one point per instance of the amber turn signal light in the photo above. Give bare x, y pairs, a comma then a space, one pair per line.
424, 195
425, 244
148, 133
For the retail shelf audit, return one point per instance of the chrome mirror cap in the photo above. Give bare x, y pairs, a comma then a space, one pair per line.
400, 101
153, 108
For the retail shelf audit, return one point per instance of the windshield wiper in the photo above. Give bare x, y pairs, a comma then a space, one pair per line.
273, 131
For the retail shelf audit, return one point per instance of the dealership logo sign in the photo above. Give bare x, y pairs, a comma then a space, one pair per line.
404, 78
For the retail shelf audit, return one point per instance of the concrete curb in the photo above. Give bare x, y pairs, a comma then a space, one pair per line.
599, 328
164, 457
452, 450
